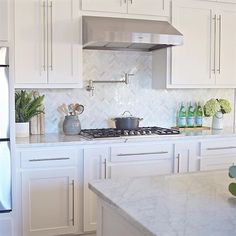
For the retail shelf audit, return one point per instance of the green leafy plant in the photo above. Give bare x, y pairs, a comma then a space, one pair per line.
27, 105
214, 105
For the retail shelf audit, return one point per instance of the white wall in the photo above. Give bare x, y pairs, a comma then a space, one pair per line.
157, 107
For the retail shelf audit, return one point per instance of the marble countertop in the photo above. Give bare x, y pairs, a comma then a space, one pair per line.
197, 204
58, 139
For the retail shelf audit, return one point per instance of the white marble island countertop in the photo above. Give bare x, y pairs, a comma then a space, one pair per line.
196, 204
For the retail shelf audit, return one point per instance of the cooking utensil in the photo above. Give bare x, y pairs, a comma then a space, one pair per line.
63, 109
71, 109
128, 122
78, 108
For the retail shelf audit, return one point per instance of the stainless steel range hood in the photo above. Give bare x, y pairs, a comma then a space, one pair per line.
128, 34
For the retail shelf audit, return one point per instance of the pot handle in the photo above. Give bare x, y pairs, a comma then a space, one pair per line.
126, 112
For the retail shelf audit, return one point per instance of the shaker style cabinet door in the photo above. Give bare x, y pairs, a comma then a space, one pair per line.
94, 168
30, 42
116, 6
3, 20
48, 50
148, 7
64, 48
226, 45
192, 62
186, 157
48, 200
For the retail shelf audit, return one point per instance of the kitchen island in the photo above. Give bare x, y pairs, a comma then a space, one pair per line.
197, 204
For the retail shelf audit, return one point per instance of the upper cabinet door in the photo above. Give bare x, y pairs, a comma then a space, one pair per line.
148, 7
3, 20
192, 62
117, 6
227, 1
30, 41
64, 46
48, 50
226, 45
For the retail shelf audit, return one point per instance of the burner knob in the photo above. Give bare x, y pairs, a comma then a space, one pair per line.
131, 132
126, 133
149, 132
137, 133
143, 132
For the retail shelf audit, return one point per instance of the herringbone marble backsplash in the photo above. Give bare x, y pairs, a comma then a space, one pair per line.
156, 107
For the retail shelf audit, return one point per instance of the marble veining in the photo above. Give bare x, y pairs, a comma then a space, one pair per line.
196, 204
58, 139
156, 107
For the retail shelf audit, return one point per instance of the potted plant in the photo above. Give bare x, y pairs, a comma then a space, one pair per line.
26, 107
217, 108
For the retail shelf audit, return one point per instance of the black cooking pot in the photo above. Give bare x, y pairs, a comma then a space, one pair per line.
128, 122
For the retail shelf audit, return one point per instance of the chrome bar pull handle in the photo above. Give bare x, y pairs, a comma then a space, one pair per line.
123, 2
178, 163
214, 69
49, 159
73, 202
221, 148
44, 35
51, 35
141, 154
105, 168
220, 35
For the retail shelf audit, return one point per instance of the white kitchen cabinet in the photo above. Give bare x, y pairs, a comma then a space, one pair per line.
118, 6
95, 160
48, 202
140, 160
148, 7
48, 51
225, 1
217, 154
6, 226
122, 161
208, 56
3, 20
49, 191
142, 7
226, 45
186, 155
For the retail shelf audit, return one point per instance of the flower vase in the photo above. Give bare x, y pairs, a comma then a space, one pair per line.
22, 130
217, 120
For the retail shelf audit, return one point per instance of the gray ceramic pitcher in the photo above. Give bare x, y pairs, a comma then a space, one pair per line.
71, 125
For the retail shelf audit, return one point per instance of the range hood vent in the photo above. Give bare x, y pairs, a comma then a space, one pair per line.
107, 33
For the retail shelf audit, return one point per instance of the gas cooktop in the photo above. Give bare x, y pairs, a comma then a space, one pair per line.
141, 131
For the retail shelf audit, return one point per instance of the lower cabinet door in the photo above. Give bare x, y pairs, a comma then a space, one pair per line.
6, 227
95, 160
48, 202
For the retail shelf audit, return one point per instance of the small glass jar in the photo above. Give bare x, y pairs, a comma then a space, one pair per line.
71, 125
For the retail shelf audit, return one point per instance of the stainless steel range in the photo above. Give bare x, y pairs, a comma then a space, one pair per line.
141, 131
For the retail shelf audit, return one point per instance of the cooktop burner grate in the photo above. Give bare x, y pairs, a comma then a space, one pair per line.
141, 131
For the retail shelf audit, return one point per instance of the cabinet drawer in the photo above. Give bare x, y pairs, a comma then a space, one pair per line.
217, 163
218, 147
52, 157
141, 152
134, 169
